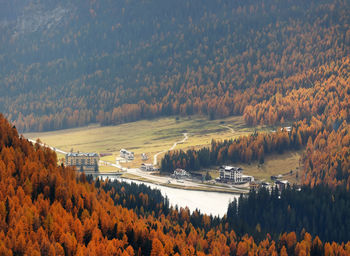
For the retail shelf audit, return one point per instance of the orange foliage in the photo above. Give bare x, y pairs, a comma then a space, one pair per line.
46, 209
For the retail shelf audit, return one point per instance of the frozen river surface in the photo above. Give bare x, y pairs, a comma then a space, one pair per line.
207, 202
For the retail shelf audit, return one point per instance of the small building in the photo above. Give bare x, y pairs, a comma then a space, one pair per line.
87, 162
247, 178
127, 154
180, 173
287, 128
281, 184
231, 174
147, 167
144, 157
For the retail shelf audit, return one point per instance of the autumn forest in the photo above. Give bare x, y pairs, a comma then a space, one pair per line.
47, 209
277, 63
216, 58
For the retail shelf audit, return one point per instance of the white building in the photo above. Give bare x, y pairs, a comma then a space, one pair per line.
247, 178
127, 154
180, 173
287, 128
230, 173
147, 167
144, 157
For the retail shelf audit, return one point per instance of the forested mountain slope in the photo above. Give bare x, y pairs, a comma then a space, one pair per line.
47, 209
70, 63
323, 111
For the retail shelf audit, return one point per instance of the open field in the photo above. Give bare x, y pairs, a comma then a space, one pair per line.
147, 136
153, 137
274, 165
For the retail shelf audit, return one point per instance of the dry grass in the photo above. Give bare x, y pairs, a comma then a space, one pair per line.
274, 165
147, 136
153, 136
106, 169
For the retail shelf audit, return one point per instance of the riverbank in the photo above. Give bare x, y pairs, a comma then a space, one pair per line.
187, 185
207, 202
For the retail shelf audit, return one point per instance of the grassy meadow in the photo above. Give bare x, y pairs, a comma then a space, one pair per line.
274, 165
153, 136
147, 136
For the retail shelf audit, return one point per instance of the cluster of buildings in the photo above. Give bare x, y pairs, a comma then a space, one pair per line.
128, 155
230, 174
87, 162
147, 167
280, 184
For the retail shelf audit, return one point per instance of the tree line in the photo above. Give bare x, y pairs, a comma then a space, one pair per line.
244, 149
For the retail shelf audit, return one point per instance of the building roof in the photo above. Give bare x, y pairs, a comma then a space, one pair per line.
180, 171
143, 164
82, 154
230, 168
125, 151
282, 182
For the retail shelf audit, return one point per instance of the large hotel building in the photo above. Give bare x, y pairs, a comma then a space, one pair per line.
83, 161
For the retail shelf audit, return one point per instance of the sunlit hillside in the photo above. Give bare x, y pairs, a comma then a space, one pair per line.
70, 63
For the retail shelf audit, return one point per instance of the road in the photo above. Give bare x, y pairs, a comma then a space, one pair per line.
228, 127
172, 148
52, 148
150, 177
168, 181
106, 163
158, 179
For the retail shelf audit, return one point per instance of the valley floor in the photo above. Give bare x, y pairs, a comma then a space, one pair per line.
155, 138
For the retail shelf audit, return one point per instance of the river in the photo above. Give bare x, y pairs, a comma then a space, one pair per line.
214, 203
